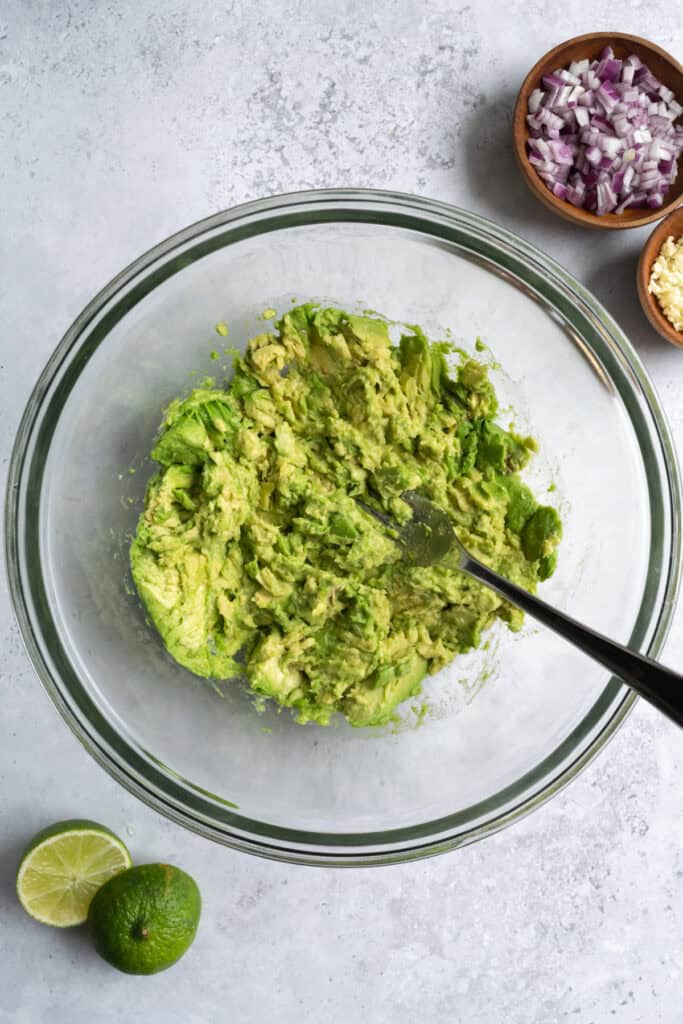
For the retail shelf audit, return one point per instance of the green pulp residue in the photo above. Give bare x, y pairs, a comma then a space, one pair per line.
253, 545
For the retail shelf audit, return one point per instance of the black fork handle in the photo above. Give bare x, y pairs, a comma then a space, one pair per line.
657, 684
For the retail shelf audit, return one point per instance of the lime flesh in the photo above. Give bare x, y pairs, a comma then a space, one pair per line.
63, 867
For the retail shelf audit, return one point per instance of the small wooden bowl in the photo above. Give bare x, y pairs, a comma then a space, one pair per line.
665, 67
672, 225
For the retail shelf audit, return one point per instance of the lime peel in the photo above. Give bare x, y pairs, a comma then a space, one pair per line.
144, 919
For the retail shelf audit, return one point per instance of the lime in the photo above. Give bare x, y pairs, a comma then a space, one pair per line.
144, 919
63, 867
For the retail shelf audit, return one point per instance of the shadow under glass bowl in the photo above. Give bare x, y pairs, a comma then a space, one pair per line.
505, 727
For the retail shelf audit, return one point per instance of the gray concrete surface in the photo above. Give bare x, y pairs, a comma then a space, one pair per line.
123, 121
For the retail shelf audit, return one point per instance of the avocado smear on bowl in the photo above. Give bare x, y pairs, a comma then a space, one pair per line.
254, 555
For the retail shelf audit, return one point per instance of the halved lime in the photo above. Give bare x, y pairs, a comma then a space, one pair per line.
63, 867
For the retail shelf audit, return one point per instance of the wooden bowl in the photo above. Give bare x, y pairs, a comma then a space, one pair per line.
672, 225
665, 67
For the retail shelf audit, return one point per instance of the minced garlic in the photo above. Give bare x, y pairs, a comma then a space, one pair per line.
666, 280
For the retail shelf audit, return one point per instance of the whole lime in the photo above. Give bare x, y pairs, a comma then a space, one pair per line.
145, 918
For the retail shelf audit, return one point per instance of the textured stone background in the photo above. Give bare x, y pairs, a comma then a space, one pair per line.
123, 121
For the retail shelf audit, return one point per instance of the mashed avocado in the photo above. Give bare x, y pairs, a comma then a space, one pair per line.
254, 557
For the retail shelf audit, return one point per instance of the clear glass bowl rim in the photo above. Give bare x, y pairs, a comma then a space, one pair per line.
137, 771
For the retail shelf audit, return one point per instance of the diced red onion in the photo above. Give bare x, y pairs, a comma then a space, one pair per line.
609, 70
562, 153
535, 100
607, 200
647, 81
582, 116
602, 134
610, 145
576, 194
593, 155
600, 123
618, 180
607, 96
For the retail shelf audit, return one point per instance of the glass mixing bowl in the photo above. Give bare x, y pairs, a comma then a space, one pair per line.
503, 728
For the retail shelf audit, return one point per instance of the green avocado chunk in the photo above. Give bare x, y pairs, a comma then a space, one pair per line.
255, 556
